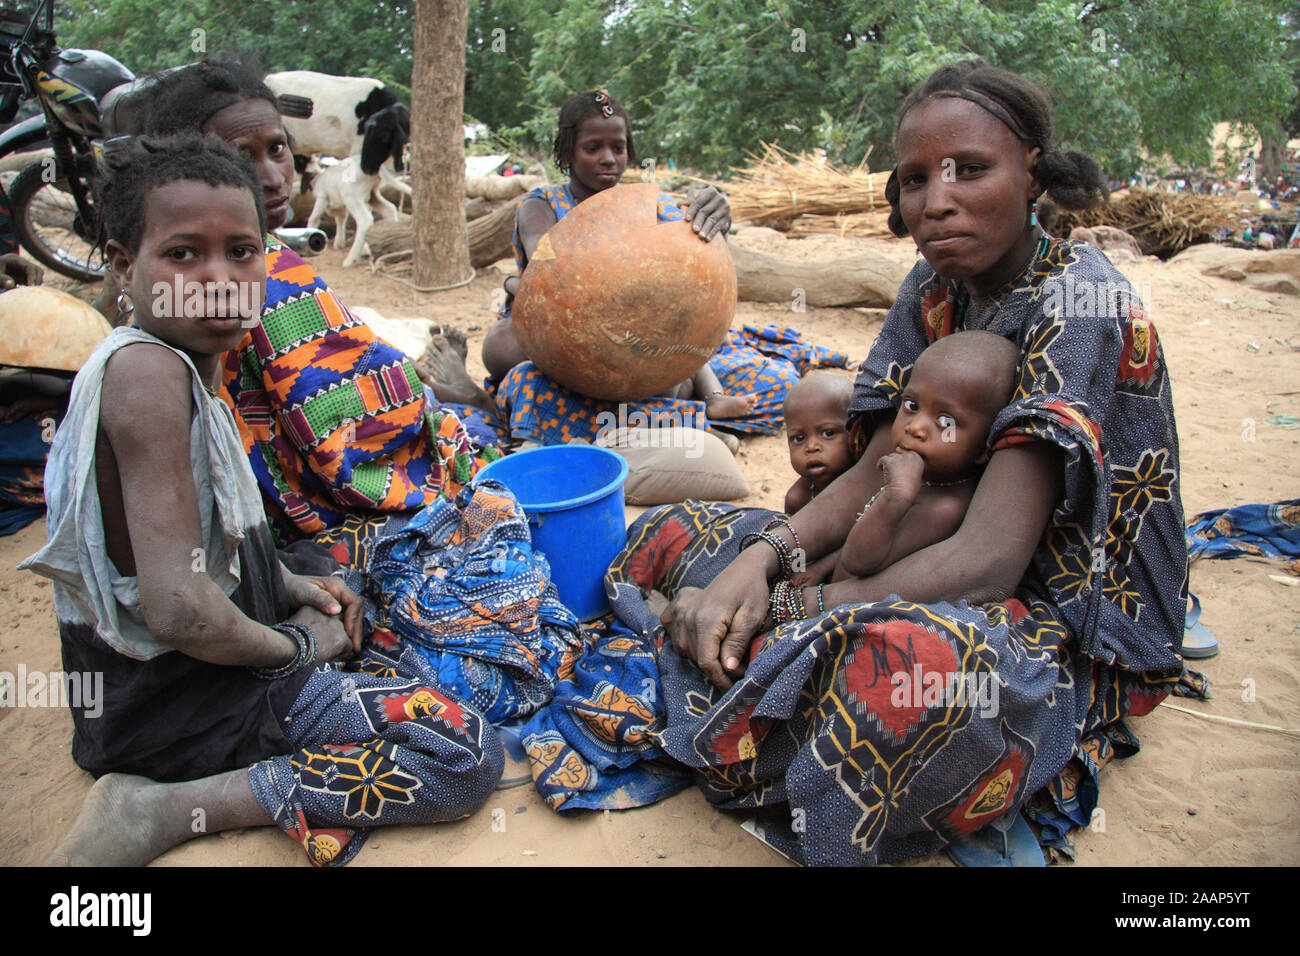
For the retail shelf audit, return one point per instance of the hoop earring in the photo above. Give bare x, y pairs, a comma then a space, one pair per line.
1033, 214
124, 304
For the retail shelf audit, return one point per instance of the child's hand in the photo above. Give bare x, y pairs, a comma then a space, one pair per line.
708, 211
330, 596
332, 641
15, 271
904, 472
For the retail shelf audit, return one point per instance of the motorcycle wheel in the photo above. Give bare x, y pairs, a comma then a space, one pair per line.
50, 228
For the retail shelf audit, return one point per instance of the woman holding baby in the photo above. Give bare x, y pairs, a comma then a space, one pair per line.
1061, 580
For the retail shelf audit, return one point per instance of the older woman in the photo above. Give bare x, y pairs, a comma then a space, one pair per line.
889, 726
335, 421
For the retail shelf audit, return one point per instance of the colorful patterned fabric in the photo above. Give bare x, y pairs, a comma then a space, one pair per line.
1262, 531
781, 341
485, 429
24, 446
334, 420
541, 410
8, 235
376, 743
593, 747
462, 584
767, 362
886, 729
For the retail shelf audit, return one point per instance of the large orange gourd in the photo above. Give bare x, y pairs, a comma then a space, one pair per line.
617, 305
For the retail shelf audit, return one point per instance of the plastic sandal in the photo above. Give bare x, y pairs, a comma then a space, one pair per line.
1198, 642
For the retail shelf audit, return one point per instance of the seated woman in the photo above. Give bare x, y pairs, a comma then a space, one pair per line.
1071, 553
335, 421
740, 387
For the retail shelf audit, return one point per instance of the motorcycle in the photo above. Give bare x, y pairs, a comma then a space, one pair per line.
88, 104
52, 199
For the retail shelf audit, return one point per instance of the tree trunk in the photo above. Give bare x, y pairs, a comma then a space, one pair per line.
489, 236
1272, 152
438, 142
855, 280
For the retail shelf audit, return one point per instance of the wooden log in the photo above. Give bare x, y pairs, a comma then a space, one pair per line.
477, 208
496, 187
489, 236
851, 281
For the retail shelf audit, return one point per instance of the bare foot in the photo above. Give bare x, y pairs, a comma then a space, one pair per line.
129, 820
442, 368
121, 824
731, 406
457, 340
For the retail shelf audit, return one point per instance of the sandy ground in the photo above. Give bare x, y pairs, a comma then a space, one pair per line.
1200, 791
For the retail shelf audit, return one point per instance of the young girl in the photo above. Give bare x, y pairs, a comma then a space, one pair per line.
220, 666
740, 387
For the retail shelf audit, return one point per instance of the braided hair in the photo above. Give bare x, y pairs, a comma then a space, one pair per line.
583, 106
1073, 180
185, 99
129, 172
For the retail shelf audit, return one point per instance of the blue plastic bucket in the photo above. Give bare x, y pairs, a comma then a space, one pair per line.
573, 496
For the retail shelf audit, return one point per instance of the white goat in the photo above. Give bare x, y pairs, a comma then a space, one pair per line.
340, 190
342, 106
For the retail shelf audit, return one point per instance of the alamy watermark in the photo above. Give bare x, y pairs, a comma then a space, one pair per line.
79, 690
1082, 298
648, 429
916, 688
232, 300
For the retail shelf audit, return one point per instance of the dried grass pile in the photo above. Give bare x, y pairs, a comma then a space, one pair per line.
1163, 223
855, 225
779, 188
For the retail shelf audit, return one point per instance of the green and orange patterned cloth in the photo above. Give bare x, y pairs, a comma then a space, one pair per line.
335, 420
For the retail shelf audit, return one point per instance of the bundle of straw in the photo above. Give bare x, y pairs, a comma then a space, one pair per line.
1163, 223
779, 186
858, 225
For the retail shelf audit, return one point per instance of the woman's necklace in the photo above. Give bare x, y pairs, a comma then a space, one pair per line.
947, 484
927, 484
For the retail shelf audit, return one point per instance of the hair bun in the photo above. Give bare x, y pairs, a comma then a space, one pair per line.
1073, 180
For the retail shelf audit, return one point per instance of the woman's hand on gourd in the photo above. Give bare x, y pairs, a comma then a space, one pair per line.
714, 627
708, 211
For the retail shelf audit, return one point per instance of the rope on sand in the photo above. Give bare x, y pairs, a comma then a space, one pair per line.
1293, 731
405, 253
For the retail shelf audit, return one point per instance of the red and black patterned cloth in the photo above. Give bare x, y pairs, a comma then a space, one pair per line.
848, 724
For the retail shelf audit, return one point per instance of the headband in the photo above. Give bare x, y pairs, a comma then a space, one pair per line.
990, 105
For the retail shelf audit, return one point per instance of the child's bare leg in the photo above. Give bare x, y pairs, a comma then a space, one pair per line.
501, 350
129, 820
718, 403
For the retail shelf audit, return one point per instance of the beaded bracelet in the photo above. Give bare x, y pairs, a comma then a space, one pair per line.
786, 603
867, 506
306, 654
783, 520
821, 605
783, 553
